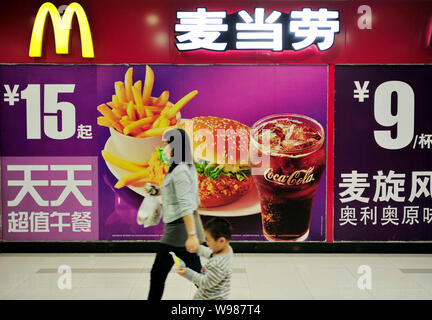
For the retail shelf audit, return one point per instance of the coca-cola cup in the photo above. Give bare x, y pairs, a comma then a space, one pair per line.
293, 148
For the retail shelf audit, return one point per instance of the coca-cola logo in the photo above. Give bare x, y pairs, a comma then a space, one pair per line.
296, 178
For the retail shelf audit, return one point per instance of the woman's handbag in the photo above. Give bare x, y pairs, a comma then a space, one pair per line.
149, 212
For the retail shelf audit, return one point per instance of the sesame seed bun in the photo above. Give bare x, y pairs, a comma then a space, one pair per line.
228, 140
235, 136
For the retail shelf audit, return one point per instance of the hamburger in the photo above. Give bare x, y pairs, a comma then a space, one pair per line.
221, 148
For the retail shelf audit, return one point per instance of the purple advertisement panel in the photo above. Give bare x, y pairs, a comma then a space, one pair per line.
383, 153
48, 110
49, 179
244, 94
50, 198
78, 144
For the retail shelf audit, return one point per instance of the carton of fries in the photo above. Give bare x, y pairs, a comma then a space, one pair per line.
136, 119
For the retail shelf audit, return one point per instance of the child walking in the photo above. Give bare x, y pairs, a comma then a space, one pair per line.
215, 281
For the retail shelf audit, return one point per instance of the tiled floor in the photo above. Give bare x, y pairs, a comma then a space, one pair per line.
255, 276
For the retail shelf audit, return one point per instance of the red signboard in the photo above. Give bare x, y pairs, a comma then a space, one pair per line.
144, 32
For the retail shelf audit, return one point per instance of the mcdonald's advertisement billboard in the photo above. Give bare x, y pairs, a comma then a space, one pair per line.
322, 149
74, 172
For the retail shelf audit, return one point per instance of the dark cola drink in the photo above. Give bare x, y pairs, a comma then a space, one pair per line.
288, 180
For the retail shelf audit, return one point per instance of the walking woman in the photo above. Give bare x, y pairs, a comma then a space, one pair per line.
182, 225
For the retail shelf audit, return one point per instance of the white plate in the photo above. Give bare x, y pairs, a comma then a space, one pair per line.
246, 205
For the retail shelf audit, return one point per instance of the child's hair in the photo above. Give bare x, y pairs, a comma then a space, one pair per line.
219, 227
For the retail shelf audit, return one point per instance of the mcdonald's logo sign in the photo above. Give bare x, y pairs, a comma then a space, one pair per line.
62, 27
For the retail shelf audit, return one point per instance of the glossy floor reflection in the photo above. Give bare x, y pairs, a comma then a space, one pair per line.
255, 276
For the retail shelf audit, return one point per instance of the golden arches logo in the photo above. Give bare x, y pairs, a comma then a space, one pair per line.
62, 27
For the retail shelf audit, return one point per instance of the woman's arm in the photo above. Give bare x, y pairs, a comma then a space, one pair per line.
192, 242
186, 206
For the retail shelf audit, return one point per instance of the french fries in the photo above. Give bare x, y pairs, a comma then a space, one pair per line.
128, 84
129, 166
181, 103
115, 103
148, 85
125, 121
131, 178
163, 99
118, 113
143, 123
131, 111
164, 122
120, 91
138, 99
106, 122
111, 119
132, 102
